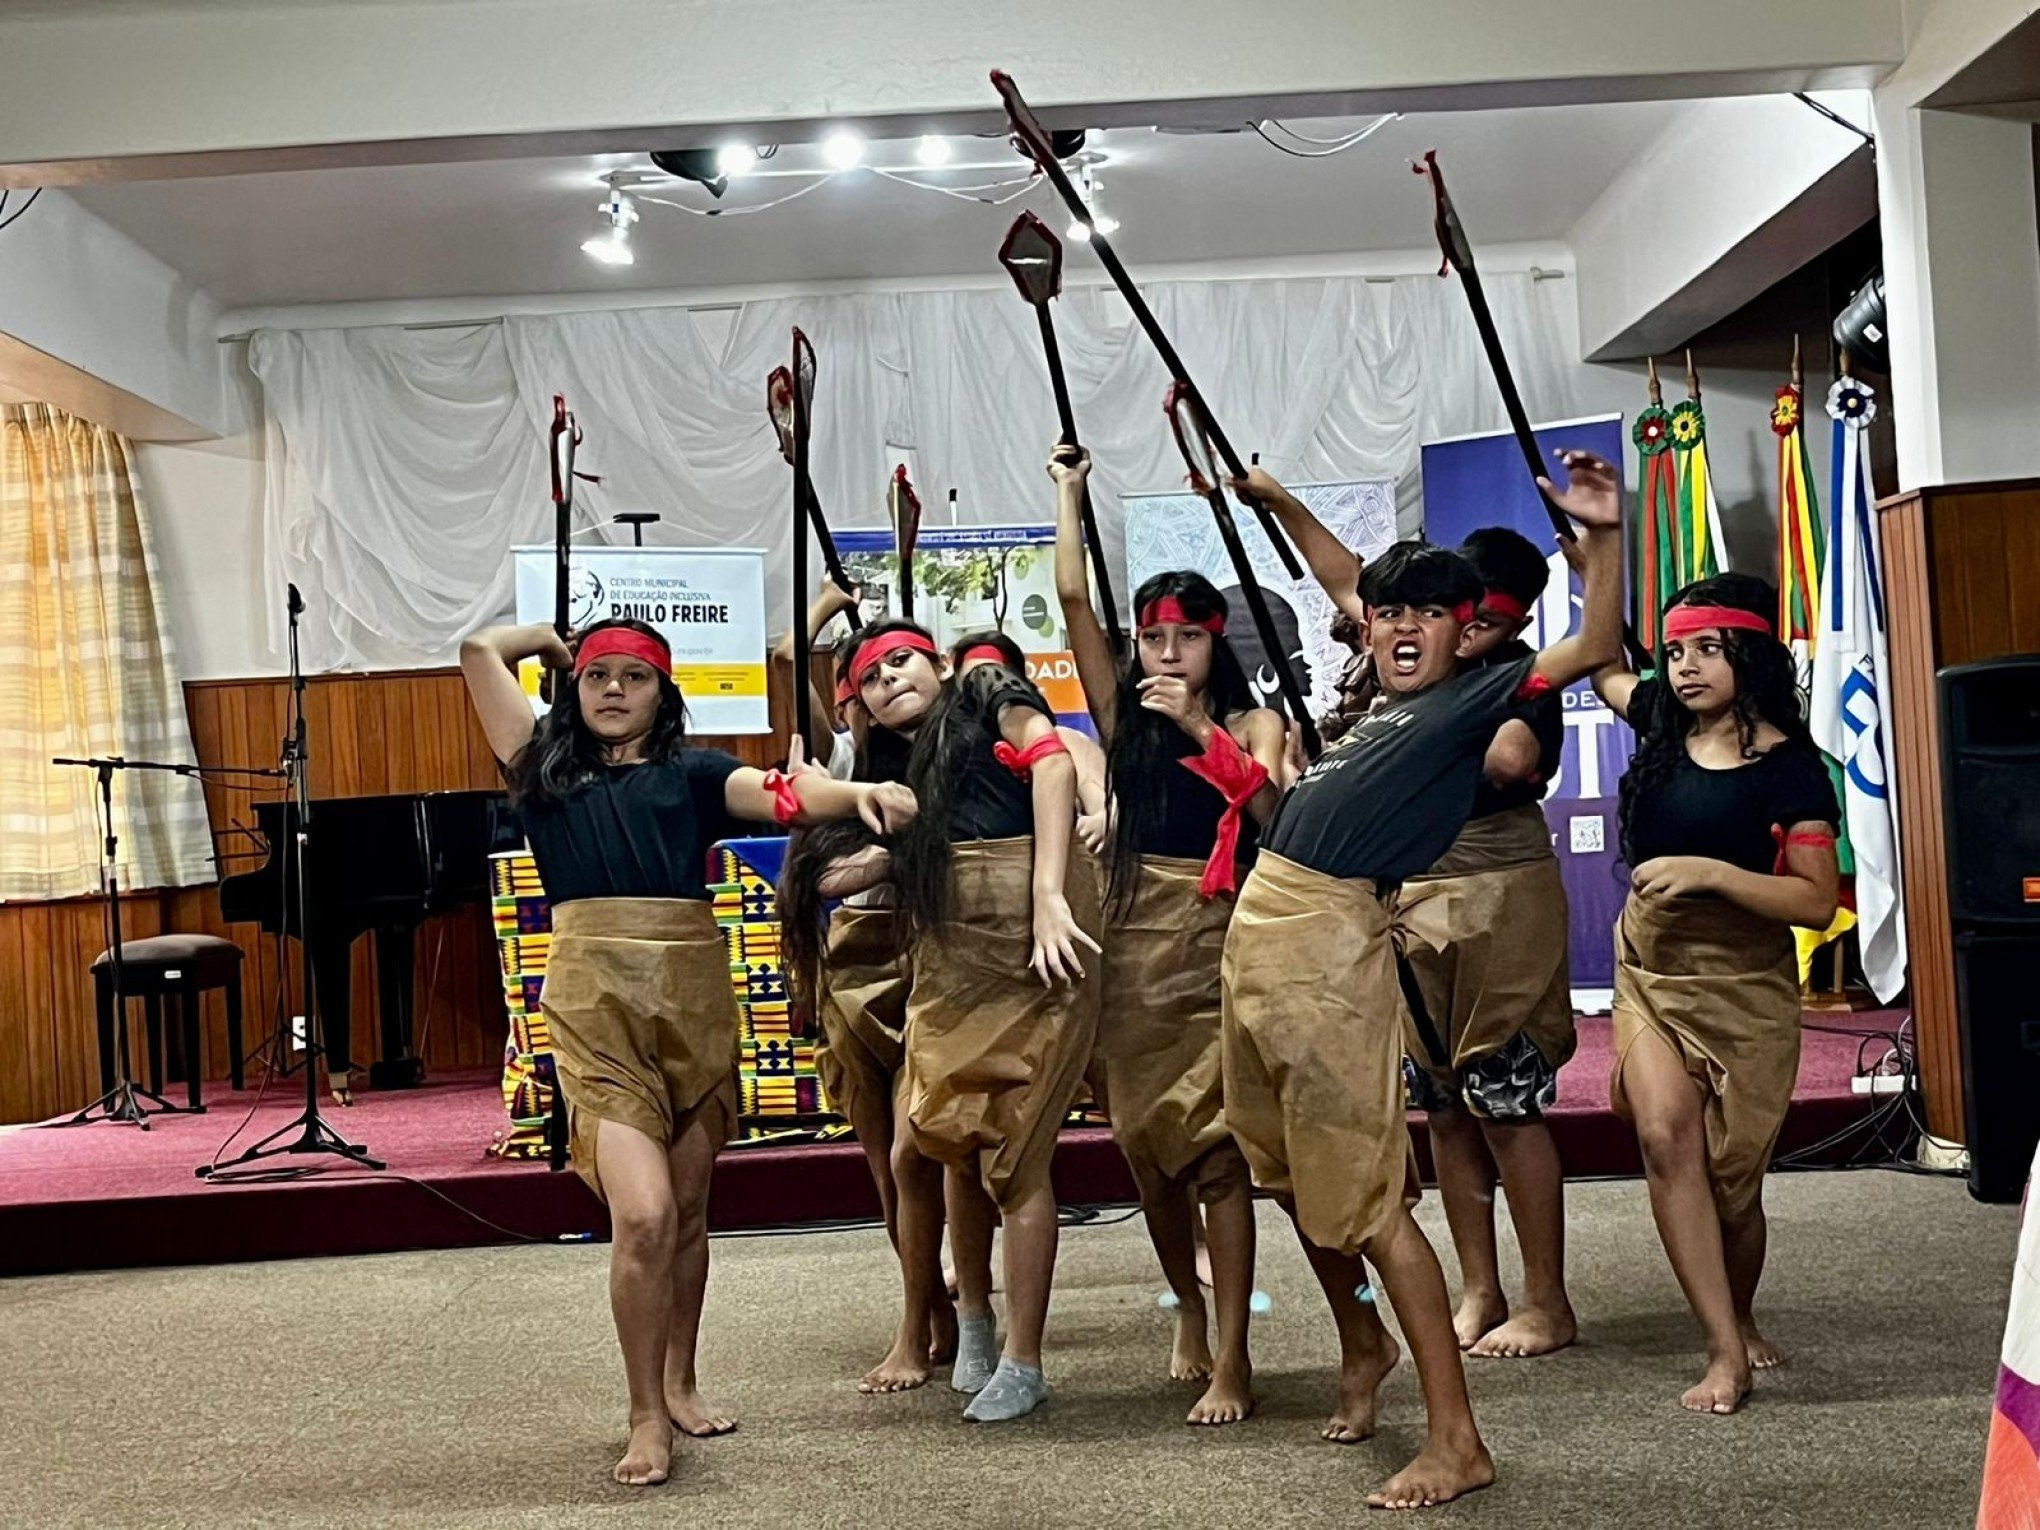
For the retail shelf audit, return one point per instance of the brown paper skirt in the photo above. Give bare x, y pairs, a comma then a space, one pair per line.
862, 1013
1314, 1021
644, 1022
994, 1059
1721, 986
1484, 932
1158, 1031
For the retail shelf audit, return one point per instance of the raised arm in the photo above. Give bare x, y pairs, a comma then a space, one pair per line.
831, 600
1593, 498
1097, 669
885, 807
1334, 565
1615, 683
1265, 736
488, 662
1803, 894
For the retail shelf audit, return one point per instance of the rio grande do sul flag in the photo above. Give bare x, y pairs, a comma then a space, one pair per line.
1851, 690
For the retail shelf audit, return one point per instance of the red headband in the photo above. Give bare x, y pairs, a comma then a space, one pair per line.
873, 649
990, 651
1684, 621
845, 691
1505, 604
1463, 613
627, 641
1169, 609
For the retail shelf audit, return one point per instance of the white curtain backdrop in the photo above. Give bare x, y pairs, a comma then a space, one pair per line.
404, 464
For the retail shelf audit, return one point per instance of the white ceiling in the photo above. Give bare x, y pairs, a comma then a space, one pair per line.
515, 226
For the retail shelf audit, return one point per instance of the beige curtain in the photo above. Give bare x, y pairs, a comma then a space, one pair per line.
85, 669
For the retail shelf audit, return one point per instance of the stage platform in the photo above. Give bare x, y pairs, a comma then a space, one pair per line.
111, 1196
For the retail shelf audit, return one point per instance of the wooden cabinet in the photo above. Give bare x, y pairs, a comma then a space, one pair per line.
1962, 568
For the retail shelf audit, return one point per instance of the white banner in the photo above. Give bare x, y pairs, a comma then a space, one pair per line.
708, 603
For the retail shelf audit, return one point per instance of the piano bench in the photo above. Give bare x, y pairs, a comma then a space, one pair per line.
178, 968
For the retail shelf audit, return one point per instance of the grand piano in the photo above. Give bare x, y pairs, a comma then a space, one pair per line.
379, 865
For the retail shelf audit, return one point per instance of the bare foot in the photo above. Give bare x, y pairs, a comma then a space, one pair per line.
904, 1367
1440, 1474
1359, 1381
695, 1418
1229, 1398
1191, 1358
649, 1456
1764, 1355
1722, 1389
1478, 1315
942, 1335
1528, 1333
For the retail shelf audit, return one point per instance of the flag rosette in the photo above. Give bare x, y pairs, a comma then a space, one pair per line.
1785, 411
1851, 402
1688, 425
1652, 430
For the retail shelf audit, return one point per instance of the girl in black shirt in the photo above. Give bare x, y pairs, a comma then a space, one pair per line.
993, 902
1728, 817
620, 812
1190, 762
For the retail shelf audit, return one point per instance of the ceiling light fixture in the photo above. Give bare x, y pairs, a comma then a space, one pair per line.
934, 151
736, 159
844, 150
701, 166
611, 247
1101, 220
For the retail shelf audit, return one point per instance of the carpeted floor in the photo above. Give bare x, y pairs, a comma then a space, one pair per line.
480, 1388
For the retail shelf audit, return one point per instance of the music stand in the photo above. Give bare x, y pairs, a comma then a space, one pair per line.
637, 520
314, 1135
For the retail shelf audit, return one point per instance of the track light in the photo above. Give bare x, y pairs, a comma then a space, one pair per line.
934, 151
1100, 219
611, 247
844, 150
735, 159
701, 166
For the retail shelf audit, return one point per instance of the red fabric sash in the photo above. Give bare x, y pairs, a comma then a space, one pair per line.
786, 803
872, 650
1238, 776
1504, 604
1022, 761
1778, 833
1684, 621
627, 641
1170, 609
990, 652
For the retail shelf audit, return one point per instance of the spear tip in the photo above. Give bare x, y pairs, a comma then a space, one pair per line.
1692, 377
1657, 392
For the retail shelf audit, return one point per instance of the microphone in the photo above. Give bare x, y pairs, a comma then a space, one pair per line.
297, 601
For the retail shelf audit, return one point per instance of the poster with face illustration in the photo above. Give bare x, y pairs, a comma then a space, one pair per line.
1166, 532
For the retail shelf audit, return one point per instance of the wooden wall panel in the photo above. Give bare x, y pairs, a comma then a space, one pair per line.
409, 731
1962, 564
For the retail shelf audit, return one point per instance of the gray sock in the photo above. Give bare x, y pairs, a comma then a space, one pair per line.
977, 1352
1014, 1391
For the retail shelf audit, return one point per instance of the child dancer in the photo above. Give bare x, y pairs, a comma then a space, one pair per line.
1728, 819
1314, 1014
620, 813
1000, 1025
1190, 760
1483, 932
847, 965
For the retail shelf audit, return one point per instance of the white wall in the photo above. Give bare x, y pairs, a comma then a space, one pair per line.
204, 503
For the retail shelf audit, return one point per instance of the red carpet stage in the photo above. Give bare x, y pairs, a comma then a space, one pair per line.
106, 1196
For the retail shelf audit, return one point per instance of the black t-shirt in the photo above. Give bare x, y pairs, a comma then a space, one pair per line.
1546, 717
1726, 815
1390, 797
1189, 807
634, 831
992, 802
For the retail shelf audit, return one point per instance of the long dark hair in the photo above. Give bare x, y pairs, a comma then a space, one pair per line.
1144, 744
564, 754
957, 726
1766, 691
803, 910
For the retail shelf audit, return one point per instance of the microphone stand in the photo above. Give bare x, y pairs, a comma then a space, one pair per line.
314, 1135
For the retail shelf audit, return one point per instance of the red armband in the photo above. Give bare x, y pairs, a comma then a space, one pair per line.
1022, 761
1533, 688
1238, 776
1825, 841
786, 804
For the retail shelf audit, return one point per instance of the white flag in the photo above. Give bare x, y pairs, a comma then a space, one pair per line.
1852, 692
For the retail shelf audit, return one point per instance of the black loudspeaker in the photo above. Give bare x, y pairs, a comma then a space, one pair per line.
1990, 786
2000, 1058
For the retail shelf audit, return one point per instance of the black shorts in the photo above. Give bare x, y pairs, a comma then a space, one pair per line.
1514, 1084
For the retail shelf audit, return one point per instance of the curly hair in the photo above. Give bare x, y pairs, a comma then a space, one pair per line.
564, 754
1766, 691
1144, 744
